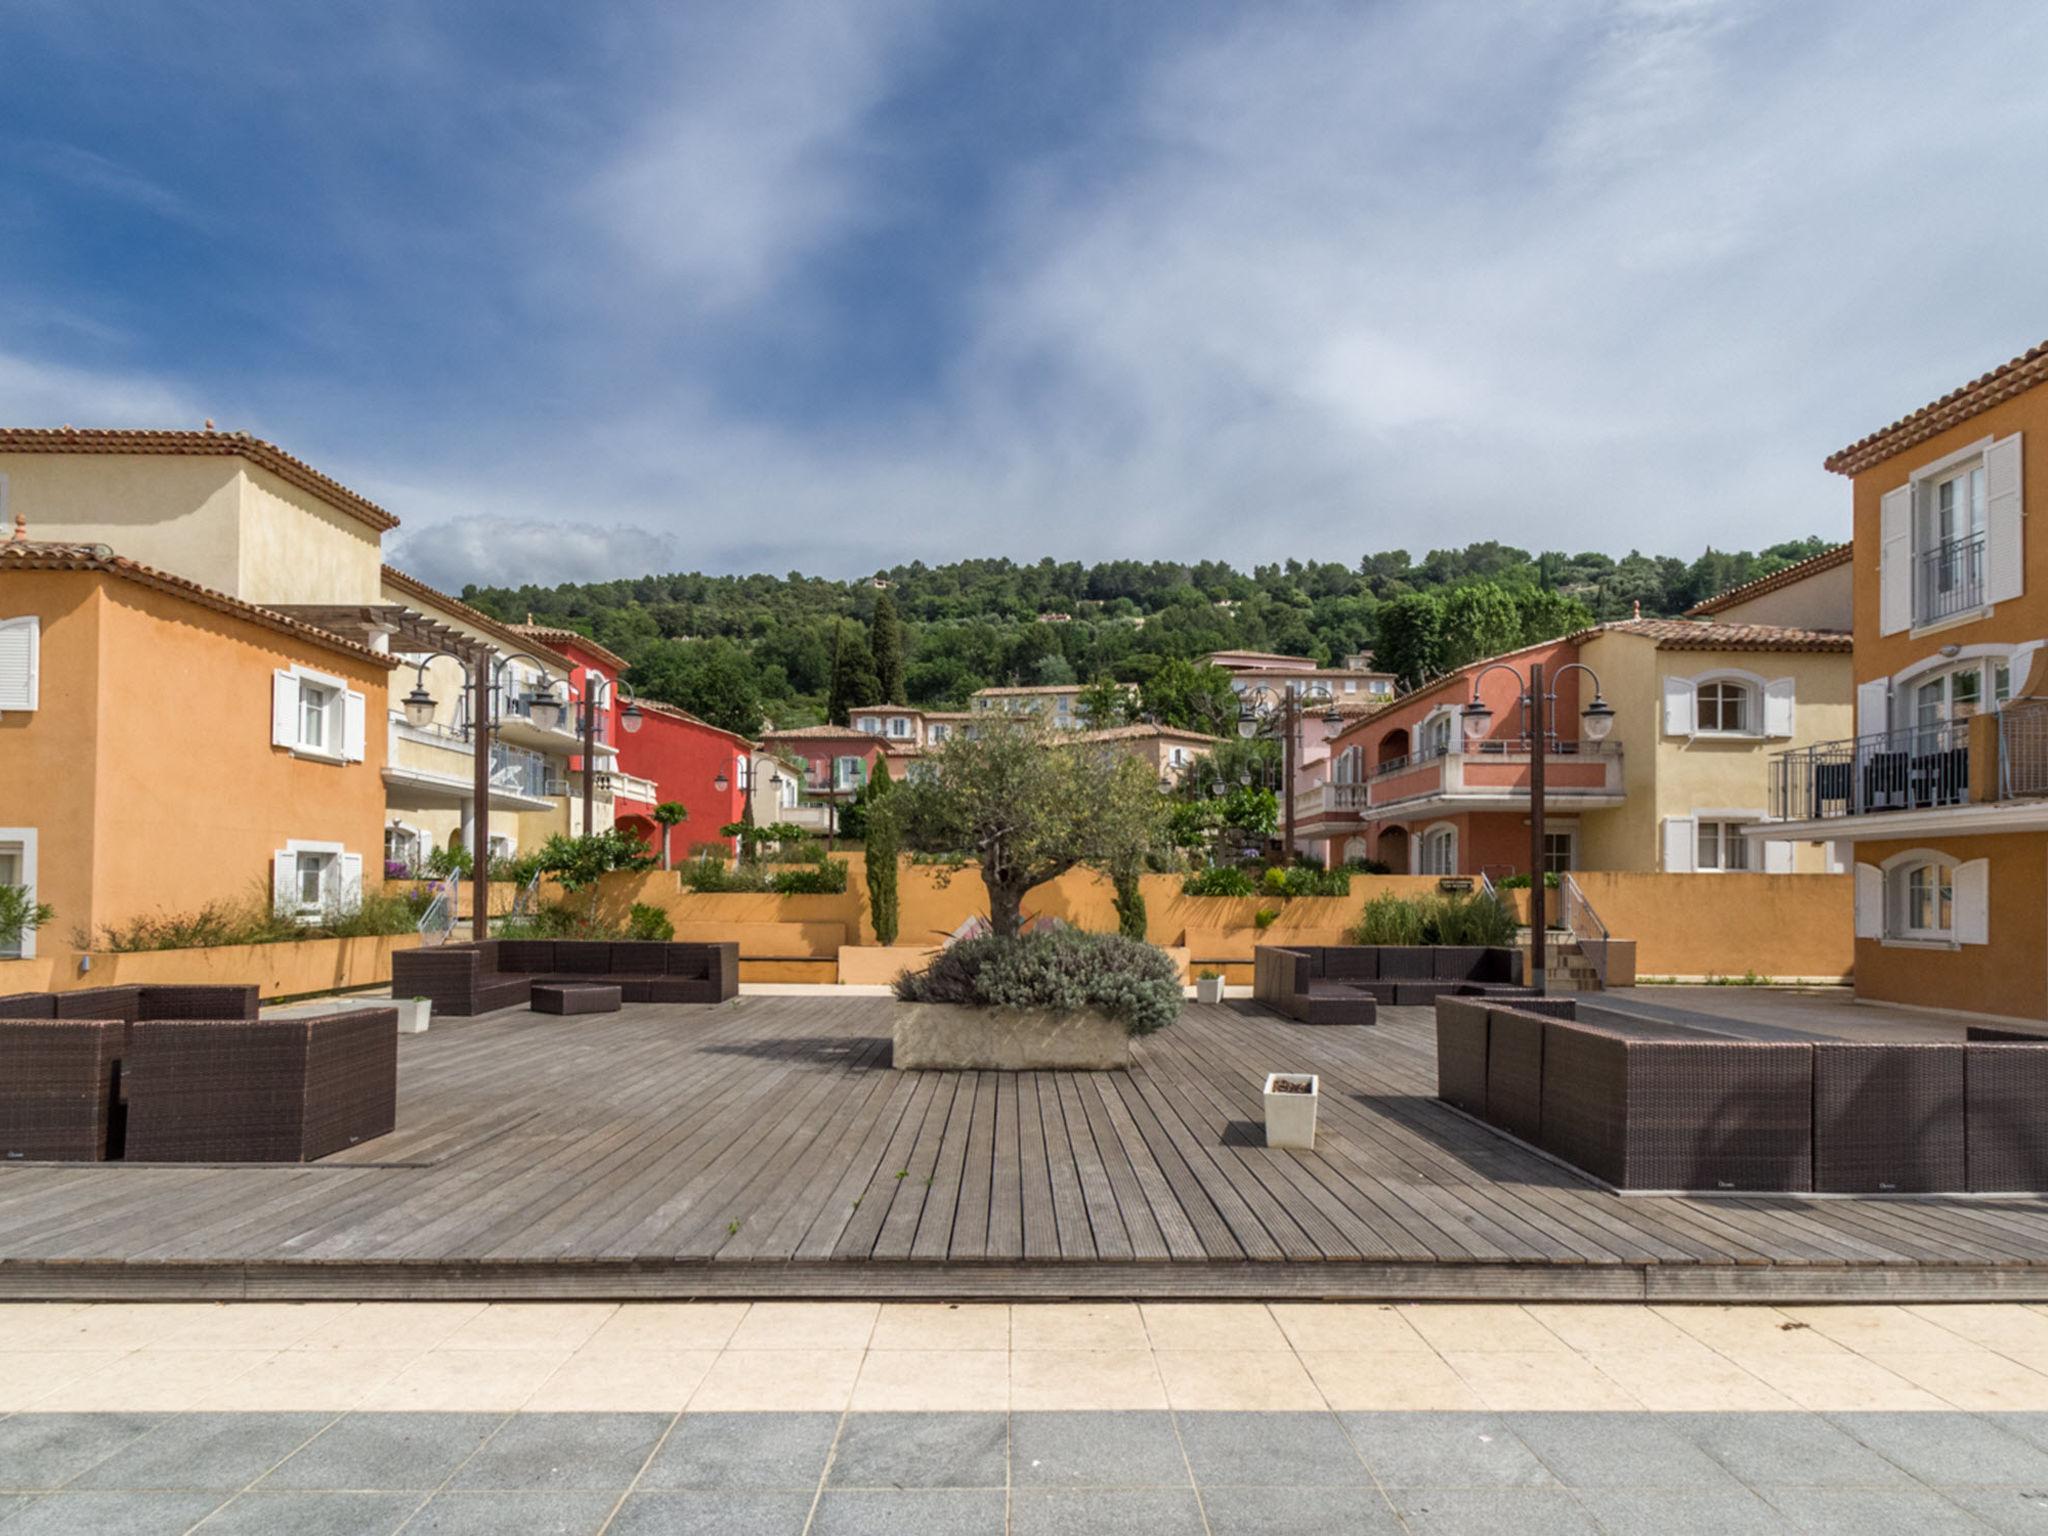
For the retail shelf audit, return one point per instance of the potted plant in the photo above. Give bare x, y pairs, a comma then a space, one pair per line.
412, 1014
1291, 1109
1059, 999
1209, 987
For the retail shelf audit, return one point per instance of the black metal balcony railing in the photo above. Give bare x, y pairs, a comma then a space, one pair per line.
2023, 749
1914, 768
1948, 579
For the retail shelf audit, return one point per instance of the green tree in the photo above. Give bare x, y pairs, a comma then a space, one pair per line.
884, 841
1411, 642
1191, 695
1029, 808
579, 863
1480, 620
1547, 615
885, 643
1104, 703
667, 815
854, 682
712, 679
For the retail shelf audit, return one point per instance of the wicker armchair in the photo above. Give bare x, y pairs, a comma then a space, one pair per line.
60, 1088
1888, 1118
263, 1090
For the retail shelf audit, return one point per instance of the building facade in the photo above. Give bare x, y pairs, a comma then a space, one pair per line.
165, 747
1678, 785
1938, 795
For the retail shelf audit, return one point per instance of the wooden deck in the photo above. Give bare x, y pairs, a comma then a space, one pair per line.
765, 1148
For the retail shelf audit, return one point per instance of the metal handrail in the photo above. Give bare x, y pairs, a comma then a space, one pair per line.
1948, 578
438, 921
1912, 768
528, 894
1576, 906
2023, 749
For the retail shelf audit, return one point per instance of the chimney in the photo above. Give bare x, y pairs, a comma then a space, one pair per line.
20, 528
1639, 608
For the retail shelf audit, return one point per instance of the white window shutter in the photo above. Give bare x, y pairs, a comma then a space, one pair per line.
1869, 902
1680, 842
1895, 561
348, 893
284, 868
284, 710
1778, 707
1777, 856
354, 726
1874, 707
1972, 894
2005, 574
1680, 714
20, 658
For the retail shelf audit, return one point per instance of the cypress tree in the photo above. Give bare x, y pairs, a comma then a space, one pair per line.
885, 641
882, 843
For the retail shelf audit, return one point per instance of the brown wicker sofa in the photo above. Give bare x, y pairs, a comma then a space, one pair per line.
184, 1073
466, 979
260, 1090
1645, 1105
1346, 983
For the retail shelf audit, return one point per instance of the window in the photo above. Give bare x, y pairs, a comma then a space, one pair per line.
941, 732
1440, 851
1722, 847
899, 725
1952, 537
849, 773
1351, 685
1558, 848
871, 725
312, 872
20, 654
17, 868
1436, 734
316, 706
1726, 707
1961, 692
1923, 900
404, 846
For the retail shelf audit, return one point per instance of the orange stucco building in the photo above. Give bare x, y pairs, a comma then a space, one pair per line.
164, 746
1940, 799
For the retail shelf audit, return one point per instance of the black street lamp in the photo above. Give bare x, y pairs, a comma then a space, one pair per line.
1265, 714
1596, 720
484, 682
599, 690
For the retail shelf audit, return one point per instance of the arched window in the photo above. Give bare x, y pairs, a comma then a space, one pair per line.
1920, 898
1440, 851
1438, 732
1727, 706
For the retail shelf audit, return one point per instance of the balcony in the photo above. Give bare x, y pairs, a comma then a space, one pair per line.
1578, 775
1948, 579
1914, 768
436, 768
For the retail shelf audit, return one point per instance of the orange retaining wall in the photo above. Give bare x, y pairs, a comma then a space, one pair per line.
278, 970
1727, 925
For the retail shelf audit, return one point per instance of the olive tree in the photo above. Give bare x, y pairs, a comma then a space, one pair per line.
1027, 806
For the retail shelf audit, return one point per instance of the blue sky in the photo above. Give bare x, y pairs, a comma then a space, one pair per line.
581, 291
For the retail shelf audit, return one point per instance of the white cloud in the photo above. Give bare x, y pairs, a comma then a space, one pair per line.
754, 159
38, 393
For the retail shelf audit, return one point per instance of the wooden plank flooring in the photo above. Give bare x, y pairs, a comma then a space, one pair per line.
766, 1148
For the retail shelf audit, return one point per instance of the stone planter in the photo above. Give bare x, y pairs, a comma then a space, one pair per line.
1208, 989
954, 1037
1291, 1117
413, 1013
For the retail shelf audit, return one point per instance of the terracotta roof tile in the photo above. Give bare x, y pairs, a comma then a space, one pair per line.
1145, 731
285, 466
1826, 560
553, 635
33, 555
2001, 383
1693, 635
822, 733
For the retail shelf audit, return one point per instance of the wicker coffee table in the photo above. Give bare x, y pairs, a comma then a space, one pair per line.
575, 997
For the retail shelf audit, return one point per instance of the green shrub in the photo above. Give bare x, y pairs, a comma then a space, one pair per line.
20, 914
1521, 882
1369, 866
1389, 919
1264, 918
1307, 880
1474, 919
825, 878
649, 922
1062, 969
254, 920
1222, 881
1130, 901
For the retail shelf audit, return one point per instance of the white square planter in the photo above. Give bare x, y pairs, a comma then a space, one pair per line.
412, 1014
1291, 1117
1208, 989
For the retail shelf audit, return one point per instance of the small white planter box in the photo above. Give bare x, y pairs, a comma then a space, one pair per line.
1208, 989
1291, 1117
412, 1014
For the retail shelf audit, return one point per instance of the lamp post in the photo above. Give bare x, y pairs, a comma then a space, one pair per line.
721, 783
599, 689
482, 681
1263, 713
1596, 720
